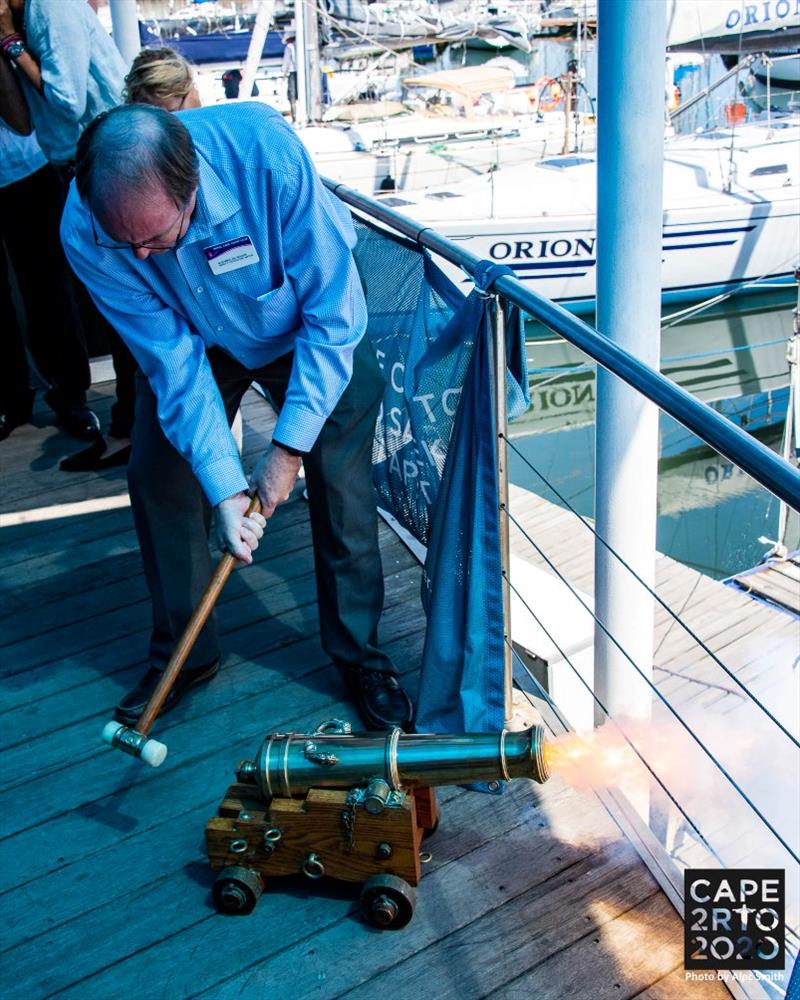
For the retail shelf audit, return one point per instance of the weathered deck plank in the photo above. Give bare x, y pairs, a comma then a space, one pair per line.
104, 886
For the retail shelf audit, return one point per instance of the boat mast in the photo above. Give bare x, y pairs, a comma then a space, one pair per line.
309, 76
261, 25
314, 84
125, 28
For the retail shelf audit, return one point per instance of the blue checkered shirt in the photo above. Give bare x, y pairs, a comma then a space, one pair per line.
303, 294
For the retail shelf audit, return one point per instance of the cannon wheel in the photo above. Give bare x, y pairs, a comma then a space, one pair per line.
387, 902
237, 890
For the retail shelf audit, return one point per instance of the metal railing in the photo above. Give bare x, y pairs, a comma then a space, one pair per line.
749, 454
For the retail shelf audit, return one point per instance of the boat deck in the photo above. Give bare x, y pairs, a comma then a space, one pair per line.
105, 886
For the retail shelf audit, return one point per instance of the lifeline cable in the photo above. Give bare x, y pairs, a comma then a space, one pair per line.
653, 593
554, 708
616, 725
658, 694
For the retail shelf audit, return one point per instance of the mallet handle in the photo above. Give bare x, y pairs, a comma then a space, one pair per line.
190, 634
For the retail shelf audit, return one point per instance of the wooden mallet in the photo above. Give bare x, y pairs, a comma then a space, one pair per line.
135, 741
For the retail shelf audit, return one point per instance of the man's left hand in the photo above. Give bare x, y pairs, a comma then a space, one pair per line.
274, 477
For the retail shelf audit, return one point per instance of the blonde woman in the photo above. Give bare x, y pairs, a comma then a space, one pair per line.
164, 78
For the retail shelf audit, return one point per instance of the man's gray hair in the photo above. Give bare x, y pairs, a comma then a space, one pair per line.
131, 148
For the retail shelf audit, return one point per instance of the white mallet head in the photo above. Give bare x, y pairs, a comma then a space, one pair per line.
136, 744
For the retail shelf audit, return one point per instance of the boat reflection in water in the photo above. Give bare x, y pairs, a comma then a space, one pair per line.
710, 514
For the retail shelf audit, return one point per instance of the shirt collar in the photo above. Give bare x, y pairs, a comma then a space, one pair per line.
215, 204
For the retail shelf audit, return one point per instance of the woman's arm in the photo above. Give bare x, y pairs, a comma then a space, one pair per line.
13, 106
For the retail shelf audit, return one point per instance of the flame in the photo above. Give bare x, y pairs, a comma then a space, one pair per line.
598, 759
605, 757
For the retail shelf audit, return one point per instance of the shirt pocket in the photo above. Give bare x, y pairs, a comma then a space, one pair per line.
271, 313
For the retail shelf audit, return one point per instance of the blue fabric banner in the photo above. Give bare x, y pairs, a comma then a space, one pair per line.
435, 466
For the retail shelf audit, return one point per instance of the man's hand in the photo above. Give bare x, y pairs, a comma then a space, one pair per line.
238, 534
274, 477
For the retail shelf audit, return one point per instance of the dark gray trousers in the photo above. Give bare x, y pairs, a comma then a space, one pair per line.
172, 516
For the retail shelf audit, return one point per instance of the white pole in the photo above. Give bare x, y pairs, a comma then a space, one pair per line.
632, 40
256, 47
314, 78
125, 28
302, 63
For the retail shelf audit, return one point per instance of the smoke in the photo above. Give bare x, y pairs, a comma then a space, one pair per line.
736, 736
607, 757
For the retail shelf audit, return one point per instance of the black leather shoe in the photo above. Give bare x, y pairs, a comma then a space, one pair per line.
381, 701
131, 706
73, 417
77, 420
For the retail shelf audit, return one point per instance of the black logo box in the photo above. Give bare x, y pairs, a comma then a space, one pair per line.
734, 918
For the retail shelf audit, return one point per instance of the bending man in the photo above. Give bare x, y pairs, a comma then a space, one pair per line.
209, 242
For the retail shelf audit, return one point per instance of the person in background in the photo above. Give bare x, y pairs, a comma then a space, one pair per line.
30, 211
161, 77
289, 67
70, 71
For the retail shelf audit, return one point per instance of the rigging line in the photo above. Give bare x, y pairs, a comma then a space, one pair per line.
699, 307
575, 368
613, 721
657, 597
667, 704
345, 28
726, 350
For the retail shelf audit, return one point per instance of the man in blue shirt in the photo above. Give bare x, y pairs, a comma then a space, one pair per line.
208, 241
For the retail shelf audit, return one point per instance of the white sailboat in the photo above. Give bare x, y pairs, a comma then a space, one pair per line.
731, 215
478, 119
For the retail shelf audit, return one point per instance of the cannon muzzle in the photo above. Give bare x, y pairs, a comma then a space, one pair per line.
289, 764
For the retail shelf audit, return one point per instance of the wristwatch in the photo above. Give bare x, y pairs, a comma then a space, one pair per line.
13, 46
285, 447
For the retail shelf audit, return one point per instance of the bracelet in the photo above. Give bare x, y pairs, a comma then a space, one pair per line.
14, 40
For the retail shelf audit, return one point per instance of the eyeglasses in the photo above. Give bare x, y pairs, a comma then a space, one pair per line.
152, 244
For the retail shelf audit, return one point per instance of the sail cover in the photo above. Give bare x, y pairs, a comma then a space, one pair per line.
435, 468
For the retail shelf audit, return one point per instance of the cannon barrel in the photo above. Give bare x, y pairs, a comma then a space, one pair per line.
289, 764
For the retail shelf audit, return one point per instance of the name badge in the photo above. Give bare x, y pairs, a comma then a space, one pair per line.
231, 255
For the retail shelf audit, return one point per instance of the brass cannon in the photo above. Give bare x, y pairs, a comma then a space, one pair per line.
352, 807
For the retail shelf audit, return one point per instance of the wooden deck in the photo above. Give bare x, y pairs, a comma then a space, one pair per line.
104, 886
777, 582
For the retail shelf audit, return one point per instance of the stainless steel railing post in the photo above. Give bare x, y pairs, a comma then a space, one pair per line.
501, 430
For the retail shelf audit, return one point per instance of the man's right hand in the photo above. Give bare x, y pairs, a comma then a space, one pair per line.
239, 534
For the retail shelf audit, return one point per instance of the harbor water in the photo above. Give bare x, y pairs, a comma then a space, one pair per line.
711, 516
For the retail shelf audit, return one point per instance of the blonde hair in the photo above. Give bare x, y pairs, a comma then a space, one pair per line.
156, 75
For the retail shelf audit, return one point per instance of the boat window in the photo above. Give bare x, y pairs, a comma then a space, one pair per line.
393, 202
566, 161
775, 168
444, 194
